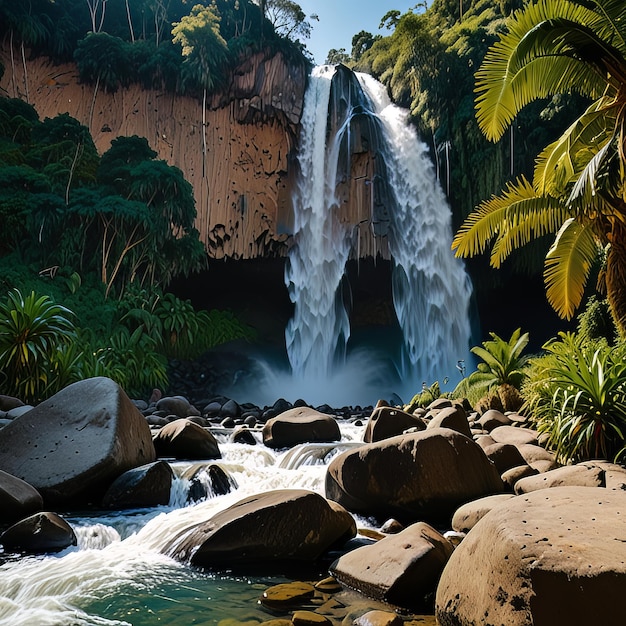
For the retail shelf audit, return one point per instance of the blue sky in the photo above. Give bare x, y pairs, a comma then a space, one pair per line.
339, 20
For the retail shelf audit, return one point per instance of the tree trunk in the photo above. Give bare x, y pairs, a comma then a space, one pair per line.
616, 276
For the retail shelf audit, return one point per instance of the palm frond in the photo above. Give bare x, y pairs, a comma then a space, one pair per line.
560, 163
527, 63
567, 267
514, 218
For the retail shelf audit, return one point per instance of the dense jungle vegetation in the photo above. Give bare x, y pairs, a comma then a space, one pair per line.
106, 234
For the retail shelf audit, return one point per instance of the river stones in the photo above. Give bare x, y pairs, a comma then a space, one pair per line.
145, 486
39, 533
469, 514
387, 421
400, 569
300, 425
420, 476
585, 474
551, 557
184, 439
276, 526
73, 445
18, 499
453, 417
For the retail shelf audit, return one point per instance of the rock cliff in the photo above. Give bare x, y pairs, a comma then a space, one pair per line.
236, 155
238, 152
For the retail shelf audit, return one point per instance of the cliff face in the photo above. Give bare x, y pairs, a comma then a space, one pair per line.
235, 153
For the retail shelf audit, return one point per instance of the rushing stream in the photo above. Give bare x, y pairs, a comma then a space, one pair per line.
117, 575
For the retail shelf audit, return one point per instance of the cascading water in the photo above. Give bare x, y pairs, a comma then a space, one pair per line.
431, 291
319, 330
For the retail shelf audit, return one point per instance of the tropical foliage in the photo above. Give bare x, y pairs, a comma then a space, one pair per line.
500, 371
32, 331
578, 191
576, 394
118, 43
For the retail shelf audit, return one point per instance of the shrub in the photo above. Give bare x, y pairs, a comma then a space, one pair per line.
576, 394
503, 366
33, 329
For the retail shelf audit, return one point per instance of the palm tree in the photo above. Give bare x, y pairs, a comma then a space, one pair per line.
578, 191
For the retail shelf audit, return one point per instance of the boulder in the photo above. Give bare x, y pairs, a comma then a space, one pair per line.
242, 434
39, 533
275, 526
9, 402
400, 569
18, 499
73, 445
587, 474
453, 417
469, 514
300, 425
511, 476
184, 439
420, 476
176, 405
553, 557
379, 618
387, 421
538, 457
516, 435
492, 419
504, 456
140, 487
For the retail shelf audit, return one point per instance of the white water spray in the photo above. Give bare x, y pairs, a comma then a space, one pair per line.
318, 332
431, 290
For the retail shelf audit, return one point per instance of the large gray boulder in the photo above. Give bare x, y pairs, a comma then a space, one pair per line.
421, 476
552, 557
276, 526
18, 499
73, 445
300, 425
401, 569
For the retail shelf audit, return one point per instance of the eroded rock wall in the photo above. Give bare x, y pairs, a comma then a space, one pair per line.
236, 155
239, 151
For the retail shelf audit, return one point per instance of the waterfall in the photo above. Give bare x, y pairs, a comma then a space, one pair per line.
431, 290
319, 330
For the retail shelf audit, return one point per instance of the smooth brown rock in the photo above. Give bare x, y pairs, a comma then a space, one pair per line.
309, 618
286, 595
300, 425
388, 421
567, 476
492, 419
453, 417
400, 569
275, 526
504, 456
145, 486
379, 618
18, 499
39, 533
511, 476
184, 439
554, 557
468, 515
516, 435
73, 445
420, 476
